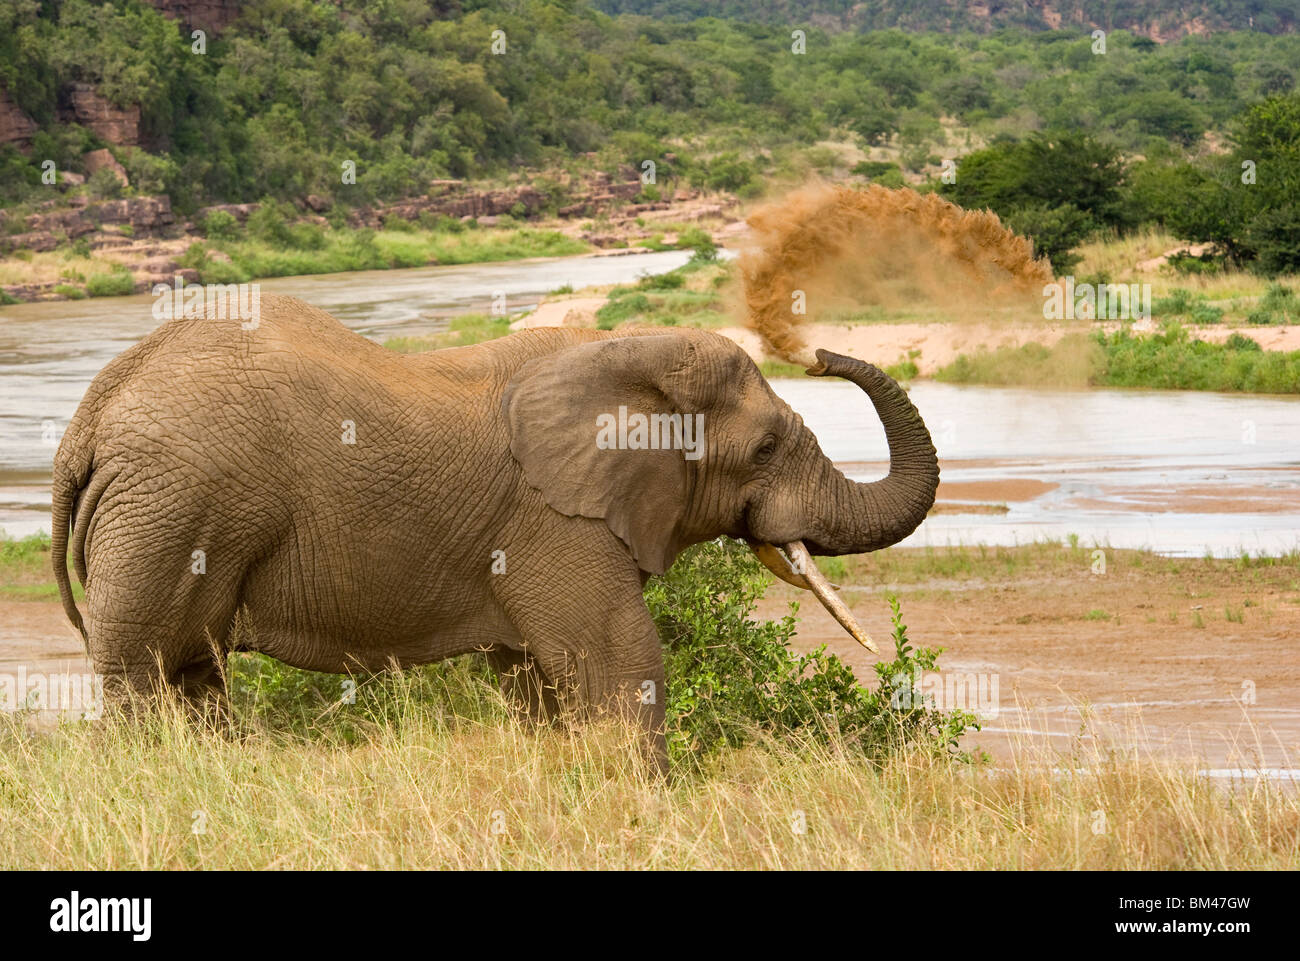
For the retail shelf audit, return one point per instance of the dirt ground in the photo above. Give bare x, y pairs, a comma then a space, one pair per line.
1201, 664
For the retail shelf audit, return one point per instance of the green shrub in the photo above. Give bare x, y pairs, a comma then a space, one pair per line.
1192, 264
69, 291
307, 237
340, 708
220, 225
269, 224
903, 370
701, 241
617, 311
398, 223
669, 281
104, 185
1177, 304
730, 676
871, 169
1237, 341
1169, 360
119, 283
1205, 314
1280, 300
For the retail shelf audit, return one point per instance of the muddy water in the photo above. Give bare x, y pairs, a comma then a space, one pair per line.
1178, 472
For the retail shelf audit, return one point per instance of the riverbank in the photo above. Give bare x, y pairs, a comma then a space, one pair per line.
1007, 348
75, 247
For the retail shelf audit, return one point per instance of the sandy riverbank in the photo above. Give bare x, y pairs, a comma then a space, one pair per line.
931, 346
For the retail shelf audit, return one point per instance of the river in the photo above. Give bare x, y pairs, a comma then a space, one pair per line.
1180, 472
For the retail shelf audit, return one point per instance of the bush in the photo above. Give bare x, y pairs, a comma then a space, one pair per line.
730, 677
104, 185
871, 169
398, 223
905, 369
617, 311
1237, 341
1279, 299
1192, 264
220, 225
669, 281
701, 241
119, 283
267, 224
1177, 304
1169, 360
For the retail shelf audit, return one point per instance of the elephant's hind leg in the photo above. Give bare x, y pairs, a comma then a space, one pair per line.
201, 686
149, 636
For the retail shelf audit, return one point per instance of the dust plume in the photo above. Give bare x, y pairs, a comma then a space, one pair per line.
832, 249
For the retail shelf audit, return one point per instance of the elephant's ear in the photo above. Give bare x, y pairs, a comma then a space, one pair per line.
563, 411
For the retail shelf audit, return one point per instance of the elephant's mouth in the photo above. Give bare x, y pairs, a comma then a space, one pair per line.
796, 567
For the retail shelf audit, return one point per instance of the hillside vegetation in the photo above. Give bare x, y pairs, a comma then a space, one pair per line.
410, 91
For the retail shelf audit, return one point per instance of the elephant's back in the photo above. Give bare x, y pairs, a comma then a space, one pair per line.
227, 397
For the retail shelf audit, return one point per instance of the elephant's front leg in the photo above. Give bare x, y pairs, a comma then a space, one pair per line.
596, 642
529, 692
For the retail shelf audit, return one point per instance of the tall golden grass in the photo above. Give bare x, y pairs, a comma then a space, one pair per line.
421, 788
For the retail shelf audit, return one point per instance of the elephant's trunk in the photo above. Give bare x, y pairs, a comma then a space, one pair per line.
853, 518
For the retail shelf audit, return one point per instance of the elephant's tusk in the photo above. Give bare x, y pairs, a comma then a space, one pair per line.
775, 562
817, 583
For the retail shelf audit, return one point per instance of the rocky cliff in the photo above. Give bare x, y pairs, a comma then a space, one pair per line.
210, 15
15, 126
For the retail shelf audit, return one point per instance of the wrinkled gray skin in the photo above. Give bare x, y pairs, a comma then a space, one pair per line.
209, 437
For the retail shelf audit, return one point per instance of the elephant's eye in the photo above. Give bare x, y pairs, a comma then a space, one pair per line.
766, 450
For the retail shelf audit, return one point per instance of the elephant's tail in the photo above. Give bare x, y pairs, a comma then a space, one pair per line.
67, 485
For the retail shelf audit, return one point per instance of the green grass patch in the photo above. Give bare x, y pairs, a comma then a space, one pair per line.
462, 331
26, 572
306, 249
1170, 359
779, 368
115, 283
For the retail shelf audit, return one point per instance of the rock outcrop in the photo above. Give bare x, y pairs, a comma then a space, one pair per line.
145, 216
210, 15
103, 159
120, 126
15, 126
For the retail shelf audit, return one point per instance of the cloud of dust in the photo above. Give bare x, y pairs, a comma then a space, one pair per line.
846, 249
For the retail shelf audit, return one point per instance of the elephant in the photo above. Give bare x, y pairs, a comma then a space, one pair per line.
369, 508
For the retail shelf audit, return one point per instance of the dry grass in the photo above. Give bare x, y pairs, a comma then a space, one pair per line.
54, 266
1116, 258
425, 790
